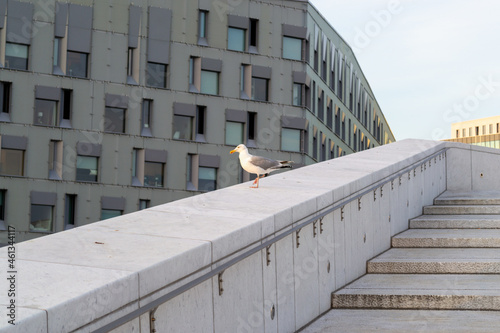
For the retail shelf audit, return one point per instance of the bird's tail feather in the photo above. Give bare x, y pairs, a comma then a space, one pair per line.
284, 164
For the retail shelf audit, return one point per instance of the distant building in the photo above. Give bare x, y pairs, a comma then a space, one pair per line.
481, 132
111, 107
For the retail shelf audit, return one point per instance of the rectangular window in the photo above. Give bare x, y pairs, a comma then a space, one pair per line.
253, 38
297, 94
41, 218
236, 39
143, 204
153, 174
156, 75
57, 56
234, 133
66, 107
12, 162
77, 64
251, 128
5, 101
202, 27
207, 179
200, 123
87, 168
130, 62
2, 206
292, 48
183, 127
45, 112
209, 82
55, 159
69, 211
16, 56
114, 120
147, 107
110, 213
260, 89
291, 139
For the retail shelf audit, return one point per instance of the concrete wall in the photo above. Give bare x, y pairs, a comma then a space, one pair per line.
82, 279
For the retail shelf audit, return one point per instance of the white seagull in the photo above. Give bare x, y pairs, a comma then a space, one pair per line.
259, 165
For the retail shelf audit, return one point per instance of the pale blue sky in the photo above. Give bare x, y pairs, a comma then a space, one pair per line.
430, 63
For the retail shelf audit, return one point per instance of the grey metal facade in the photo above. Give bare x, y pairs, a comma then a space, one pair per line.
113, 106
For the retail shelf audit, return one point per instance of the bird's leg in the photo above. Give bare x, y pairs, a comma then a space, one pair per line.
256, 181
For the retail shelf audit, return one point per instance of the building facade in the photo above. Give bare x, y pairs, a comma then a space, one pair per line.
481, 132
108, 107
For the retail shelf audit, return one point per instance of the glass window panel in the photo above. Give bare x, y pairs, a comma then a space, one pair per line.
209, 83
153, 174
156, 75
16, 56
143, 204
69, 209
234, 133
45, 112
236, 39
183, 128
259, 89
12, 162
297, 94
41, 218
86, 168
2, 205
290, 139
292, 48
109, 213
202, 27
114, 120
207, 179
76, 64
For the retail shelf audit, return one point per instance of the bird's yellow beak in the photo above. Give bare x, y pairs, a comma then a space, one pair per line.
232, 151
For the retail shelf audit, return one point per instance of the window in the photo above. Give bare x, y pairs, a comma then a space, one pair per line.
45, 112
477, 130
245, 81
69, 211
147, 108
260, 88
207, 179
297, 94
202, 27
112, 207
200, 123
110, 213
130, 62
156, 75
290, 139
86, 168
52, 107
153, 174
144, 203
209, 82
183, 127
2, 208
292, 48
5, 101
321, 105
202, 172
236, 39
253, 38
41, 218
77, 64
251, 129
234, 133
56, 69
114, 120
55, 159
148, 167
11, 162
16, 56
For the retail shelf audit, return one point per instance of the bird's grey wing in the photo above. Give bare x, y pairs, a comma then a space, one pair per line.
263, 162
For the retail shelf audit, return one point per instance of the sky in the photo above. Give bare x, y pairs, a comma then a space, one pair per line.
430, 63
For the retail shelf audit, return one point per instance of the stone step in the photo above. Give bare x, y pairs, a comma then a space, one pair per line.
462, 210
456, 222
407, 321
447, 238
421, 291
469, 198
436, 261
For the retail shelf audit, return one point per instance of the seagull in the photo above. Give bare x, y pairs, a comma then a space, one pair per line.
259, 165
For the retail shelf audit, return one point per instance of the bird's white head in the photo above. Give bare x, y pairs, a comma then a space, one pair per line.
239, 148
